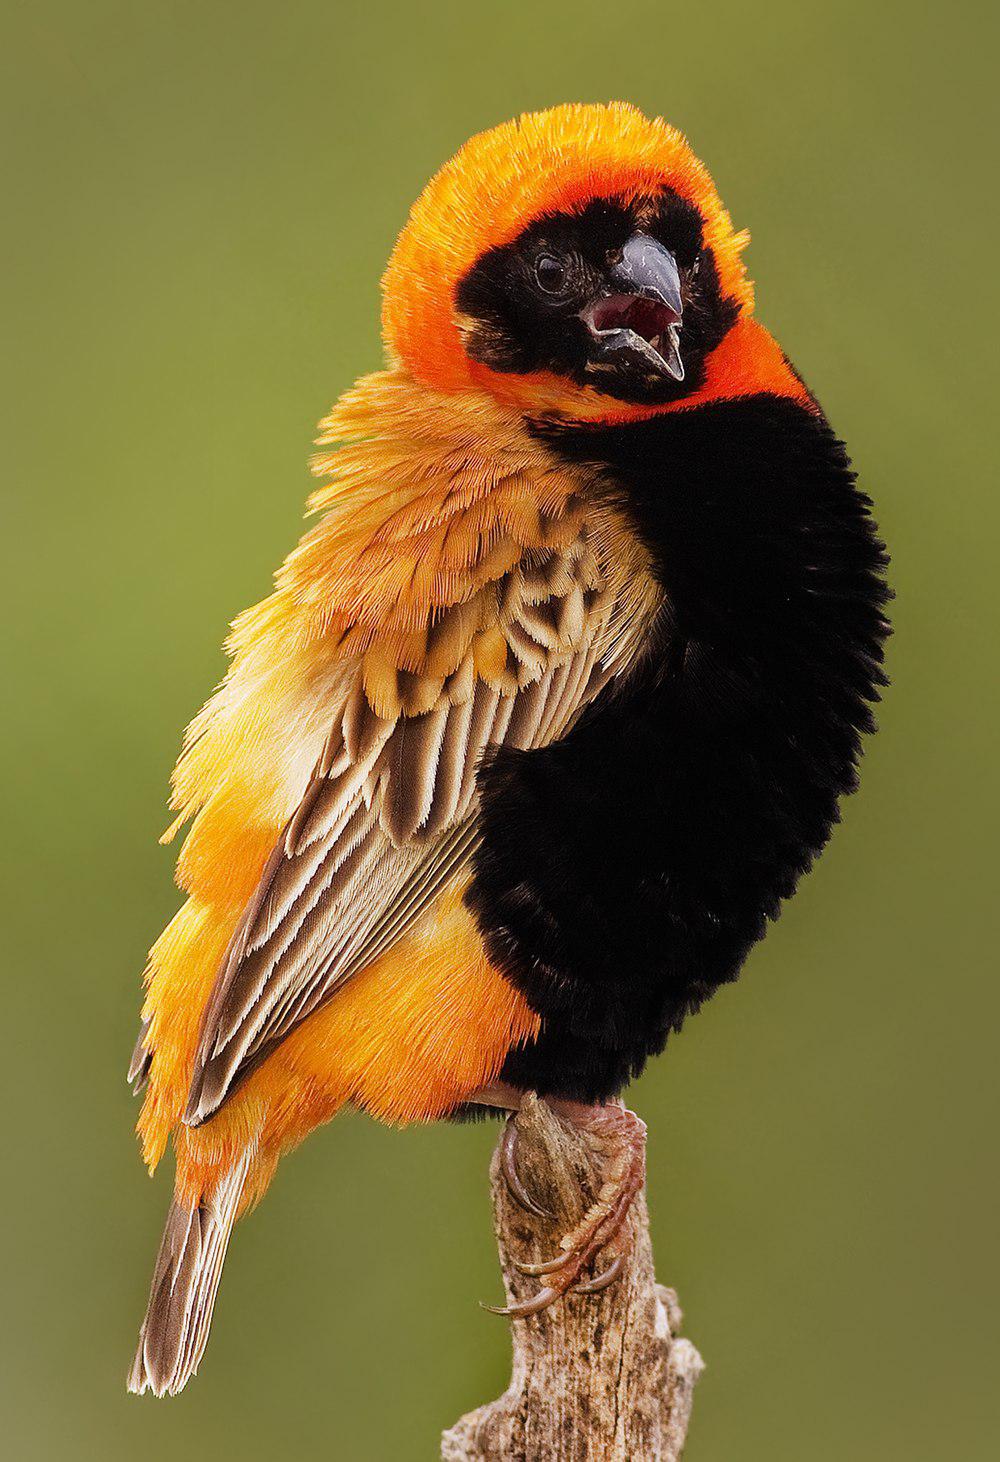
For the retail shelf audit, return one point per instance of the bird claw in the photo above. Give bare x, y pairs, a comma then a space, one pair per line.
545, 1266
552, 1292
602, 1281
601, 1227
546, 1295
521, 1308
508, 1166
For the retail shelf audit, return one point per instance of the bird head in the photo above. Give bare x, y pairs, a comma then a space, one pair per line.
577, 262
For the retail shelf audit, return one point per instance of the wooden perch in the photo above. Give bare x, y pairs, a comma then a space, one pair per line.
602, 1378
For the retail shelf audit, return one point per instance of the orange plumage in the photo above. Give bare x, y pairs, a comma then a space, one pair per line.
456, 564
360, 594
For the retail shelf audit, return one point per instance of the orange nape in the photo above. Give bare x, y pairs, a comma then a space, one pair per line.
407, 1040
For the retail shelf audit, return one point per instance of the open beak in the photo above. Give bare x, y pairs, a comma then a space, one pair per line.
638, 321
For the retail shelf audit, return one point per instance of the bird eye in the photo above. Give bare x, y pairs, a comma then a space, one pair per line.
550, 273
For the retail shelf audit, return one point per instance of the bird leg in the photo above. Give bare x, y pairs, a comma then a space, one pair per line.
617, 1139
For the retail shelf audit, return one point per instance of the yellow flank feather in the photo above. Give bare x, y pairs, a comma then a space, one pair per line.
410, 581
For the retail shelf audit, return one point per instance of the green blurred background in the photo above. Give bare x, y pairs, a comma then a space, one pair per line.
199, 200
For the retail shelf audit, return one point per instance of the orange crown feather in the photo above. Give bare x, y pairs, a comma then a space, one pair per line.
504, 179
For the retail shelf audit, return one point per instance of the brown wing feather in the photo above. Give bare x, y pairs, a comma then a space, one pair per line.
389, 815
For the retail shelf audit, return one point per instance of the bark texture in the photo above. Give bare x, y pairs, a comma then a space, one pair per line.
600, 1378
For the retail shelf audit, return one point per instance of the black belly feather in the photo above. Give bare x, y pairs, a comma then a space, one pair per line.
626, 871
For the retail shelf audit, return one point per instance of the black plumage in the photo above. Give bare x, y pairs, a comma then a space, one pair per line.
514, 325
626, 871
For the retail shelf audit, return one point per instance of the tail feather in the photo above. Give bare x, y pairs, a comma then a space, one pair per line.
186, 1277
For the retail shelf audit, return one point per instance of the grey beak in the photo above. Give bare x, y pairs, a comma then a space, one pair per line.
649, 270
637, 323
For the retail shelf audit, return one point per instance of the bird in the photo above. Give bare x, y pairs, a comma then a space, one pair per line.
545, 718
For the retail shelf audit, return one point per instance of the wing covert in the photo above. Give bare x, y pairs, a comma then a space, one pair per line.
463, 589
388, 818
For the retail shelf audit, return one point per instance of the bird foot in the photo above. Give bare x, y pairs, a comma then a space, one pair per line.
618, 1139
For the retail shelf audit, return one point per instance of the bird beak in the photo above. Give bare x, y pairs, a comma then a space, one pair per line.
638, 321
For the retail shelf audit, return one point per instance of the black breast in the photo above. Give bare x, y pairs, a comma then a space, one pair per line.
626, 871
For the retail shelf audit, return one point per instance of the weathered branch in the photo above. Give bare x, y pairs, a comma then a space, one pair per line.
602, 1378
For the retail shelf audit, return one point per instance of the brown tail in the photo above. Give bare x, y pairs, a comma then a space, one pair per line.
185, 1281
